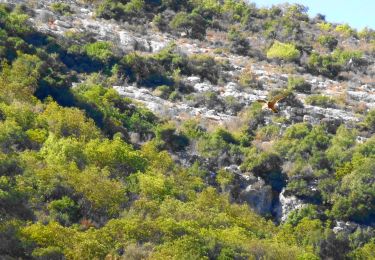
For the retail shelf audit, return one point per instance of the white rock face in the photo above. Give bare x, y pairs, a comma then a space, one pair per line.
258, 196
252, 190
202, 87
287, 205
346, 227
153, 41
167, 108
193, 79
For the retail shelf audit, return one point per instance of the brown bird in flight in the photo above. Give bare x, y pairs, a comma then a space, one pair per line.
271, 103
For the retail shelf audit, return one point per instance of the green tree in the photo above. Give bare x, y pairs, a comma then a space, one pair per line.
342, 143
283, 51
355, 198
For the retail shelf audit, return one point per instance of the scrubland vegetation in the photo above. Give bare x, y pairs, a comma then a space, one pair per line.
74, 186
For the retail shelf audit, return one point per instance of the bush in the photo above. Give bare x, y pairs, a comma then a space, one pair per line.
323, 64
345, 30
192, 129
297, 11
283, 51
181, 22
144, 70
355, 198
159, 22
299, 84
369, 121
340, 150
320, 100
232, 104
163, 91
194, 25
215, 144
115, 9
367, 251
64, 210
100, 51
108, 108
328, 41
325, 26
170, 139
367, 34
162, 68
268, 133
239, 44
205, 66
342, 57
16, 23
248, 79
61, 8
330, 65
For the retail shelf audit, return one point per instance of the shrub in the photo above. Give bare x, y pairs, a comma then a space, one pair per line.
16, 23
323, 64
61, 8
215, 144
100, 51
248, 79
115, 155
194, 25
283, 51
299, 84
320, 100
340, 150
325, 26
192, 129
367, 251
267, 133
162, 68
328, 41
159, 22
170, 139
367, 34
181, 22
108, 108
205, 66
239, 44
330, 65
134, 6
144, 70
232, 104
342, 57
109, 9
64, 210
355, 197
163, 91
369, 121
297, 11
345, 30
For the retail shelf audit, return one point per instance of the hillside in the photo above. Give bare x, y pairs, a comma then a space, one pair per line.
130, 129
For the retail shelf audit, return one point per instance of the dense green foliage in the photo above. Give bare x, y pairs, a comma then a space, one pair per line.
88, 174
283, 51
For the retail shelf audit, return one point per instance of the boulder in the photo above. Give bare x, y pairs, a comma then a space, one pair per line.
286, 205
253, 191
63, 24
345, 227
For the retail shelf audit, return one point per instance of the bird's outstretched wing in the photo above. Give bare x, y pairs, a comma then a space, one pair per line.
262, 101
277, 98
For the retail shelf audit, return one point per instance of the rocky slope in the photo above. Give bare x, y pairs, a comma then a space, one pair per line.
356, 89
